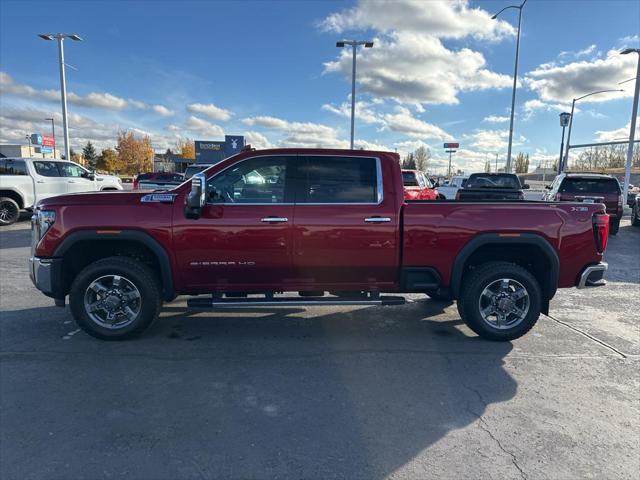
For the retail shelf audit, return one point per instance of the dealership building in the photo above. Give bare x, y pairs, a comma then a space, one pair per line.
208, 152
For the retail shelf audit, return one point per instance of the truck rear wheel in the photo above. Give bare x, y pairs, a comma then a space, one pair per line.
9, 211
501, 301
115, 298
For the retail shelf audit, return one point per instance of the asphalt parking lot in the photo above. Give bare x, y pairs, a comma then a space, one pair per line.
356, 393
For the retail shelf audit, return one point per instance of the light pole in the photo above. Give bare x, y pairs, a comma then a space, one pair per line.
28, 137
564, 121
354, 45
632, 133
515, 79
63, 86
53, 134
565, 162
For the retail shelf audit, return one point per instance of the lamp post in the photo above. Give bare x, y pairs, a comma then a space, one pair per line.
515, 79
53, 134
28, 137
354, 45
63, 86
564, 121
565, 162
632, 132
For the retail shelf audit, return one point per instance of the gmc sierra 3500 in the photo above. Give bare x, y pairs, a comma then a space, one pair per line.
331, 225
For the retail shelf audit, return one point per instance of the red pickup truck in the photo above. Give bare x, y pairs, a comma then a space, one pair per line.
331, 225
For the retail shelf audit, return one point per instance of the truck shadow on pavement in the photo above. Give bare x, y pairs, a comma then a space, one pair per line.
265, 393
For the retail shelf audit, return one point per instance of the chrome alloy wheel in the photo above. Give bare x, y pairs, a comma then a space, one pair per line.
112, 301
8, 212
504, 303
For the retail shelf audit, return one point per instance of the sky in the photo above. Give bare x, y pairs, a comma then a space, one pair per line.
439, 71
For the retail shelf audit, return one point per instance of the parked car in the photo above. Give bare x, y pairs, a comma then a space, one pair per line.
191, 170
25, 181
635, 212
232, 234
158, 180
417, 186
589, 188
449, 189
491, 187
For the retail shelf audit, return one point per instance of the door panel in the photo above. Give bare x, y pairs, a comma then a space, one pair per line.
48, 180
243, 239
76, 182
231, 247
350, 240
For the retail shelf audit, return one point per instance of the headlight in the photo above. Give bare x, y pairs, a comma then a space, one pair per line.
45, 218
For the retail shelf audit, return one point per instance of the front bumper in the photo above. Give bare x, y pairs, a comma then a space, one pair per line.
46, 275
593, 276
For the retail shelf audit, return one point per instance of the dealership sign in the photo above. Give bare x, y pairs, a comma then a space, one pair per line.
48, 141
451, 145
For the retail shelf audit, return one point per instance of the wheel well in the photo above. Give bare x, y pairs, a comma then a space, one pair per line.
14, 196
528, 256
85, 252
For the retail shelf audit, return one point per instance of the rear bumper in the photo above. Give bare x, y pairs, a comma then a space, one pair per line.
593, 276
46, 275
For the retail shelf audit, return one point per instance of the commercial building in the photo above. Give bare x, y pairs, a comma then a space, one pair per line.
33, 151
216, 151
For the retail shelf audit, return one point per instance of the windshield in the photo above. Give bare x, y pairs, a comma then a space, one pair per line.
493, 181
191, 170
409, 179
590, 185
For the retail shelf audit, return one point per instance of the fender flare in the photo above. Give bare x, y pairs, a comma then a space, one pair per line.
145, 239
495, 239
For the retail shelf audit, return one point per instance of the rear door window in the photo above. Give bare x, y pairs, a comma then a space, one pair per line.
327, 180
589, 185
47, 169
13, 167
409, 179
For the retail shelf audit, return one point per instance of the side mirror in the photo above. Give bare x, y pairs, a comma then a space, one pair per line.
89, 175
525, 186
548, 187
197, 197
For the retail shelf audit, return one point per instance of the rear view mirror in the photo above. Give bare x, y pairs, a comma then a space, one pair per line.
196, 198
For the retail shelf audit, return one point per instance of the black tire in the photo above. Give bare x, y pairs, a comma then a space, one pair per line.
135, 273
614, 226
9, 211
635, 216
484, 276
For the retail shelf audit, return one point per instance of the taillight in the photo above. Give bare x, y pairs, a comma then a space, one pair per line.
601, 231
135, 184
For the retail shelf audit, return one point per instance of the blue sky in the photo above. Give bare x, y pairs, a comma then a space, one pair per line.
438, 71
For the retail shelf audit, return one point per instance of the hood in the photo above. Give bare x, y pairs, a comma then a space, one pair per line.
94, 198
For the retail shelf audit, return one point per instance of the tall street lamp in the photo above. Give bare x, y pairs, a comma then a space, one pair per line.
354, 45
515, 79
565, 162
53, 134
564, 121
63, 86
632, 133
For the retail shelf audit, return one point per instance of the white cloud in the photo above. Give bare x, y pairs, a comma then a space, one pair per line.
495, 119
618, 134
405, 123
257, 140
163, 111
210, 110
437, 17
493, 140
363, 111
409, 62
555, 84
202, 127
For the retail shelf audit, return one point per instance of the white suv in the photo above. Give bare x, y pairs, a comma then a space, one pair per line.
25, 181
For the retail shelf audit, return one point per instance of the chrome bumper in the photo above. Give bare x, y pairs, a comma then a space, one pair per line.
593, 276
40, 271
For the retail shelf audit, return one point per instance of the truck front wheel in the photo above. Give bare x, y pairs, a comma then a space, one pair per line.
115, 298
9, 211
501, 301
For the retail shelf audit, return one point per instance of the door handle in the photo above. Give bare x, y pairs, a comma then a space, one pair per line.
40, 181
72, 181
274, 220
377, 219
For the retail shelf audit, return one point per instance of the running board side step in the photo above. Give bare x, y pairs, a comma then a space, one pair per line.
290, 302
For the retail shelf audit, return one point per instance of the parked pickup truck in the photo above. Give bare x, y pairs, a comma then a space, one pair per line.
491, 186
417, 186
448, 190
309, 221
25, 181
